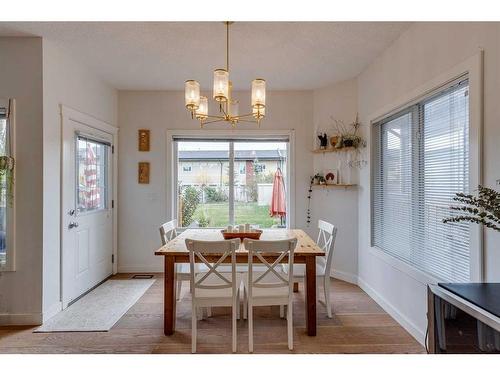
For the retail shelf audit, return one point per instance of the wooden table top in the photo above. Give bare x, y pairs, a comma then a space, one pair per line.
305, 245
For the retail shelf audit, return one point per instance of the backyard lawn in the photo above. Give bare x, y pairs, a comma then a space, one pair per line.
218, 216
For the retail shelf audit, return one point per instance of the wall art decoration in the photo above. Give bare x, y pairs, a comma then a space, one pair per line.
143, 172
144, 144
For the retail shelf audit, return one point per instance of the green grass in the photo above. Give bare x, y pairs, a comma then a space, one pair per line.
218, 214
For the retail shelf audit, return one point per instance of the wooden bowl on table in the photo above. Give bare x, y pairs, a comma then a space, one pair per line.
254, 235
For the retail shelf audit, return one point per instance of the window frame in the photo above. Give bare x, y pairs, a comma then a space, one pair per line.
10, 254
473, 68
171, 177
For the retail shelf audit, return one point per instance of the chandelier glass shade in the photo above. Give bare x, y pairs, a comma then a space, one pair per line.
222, 94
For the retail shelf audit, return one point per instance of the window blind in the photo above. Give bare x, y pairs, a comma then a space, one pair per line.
421, 159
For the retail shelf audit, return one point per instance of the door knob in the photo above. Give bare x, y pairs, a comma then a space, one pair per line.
72, 225
71, 212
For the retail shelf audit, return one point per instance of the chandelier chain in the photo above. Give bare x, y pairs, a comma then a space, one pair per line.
227, 46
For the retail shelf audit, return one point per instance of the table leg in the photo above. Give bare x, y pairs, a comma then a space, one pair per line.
310, 289
169, 296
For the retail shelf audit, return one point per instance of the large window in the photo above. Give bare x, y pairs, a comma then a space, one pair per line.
421, 159
222, 182
6, 191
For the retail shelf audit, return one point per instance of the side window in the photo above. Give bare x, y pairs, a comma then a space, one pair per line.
7, 165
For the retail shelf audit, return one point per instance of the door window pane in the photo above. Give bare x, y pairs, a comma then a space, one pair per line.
92, 172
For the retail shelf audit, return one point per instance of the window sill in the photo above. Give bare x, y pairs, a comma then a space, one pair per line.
416, 274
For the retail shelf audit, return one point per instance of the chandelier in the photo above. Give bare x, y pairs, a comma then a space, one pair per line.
222, 94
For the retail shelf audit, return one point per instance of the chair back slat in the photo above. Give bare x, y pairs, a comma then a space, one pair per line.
168, 231
260, 249
198, 250
326, 241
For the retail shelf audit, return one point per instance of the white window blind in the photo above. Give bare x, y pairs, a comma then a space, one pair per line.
421, 159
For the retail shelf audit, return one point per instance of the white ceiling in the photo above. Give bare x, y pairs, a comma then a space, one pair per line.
162, 55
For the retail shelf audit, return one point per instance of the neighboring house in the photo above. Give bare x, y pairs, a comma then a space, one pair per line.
211, 168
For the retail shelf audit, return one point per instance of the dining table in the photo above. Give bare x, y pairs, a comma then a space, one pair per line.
175, 252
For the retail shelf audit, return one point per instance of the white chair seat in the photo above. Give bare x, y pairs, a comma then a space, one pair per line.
271, 293
213, 279
184, 268
299, 270
240, 268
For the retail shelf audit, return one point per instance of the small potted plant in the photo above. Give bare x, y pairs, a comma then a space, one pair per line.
319, 179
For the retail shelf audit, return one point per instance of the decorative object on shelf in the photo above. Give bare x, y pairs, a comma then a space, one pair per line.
348, 141
357, 163
144, 139
222, 90
309, 195
143, 172
332, 177
334, 185
323, 141
481, 209
348, 134
7, 161
319, 179
335, 141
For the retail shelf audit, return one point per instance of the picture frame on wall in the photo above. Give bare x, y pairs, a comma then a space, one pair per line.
143, 172
144, 139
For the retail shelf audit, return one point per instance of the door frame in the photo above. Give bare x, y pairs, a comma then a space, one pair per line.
67, 114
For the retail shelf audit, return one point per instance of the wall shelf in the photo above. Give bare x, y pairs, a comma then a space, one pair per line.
326, 186
343, 149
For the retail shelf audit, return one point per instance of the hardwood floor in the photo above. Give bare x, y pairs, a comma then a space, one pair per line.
358, 325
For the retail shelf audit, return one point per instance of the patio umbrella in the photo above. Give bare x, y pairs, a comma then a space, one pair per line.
278, 199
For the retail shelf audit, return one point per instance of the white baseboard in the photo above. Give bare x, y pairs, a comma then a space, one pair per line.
402, 319
140, 268
345, 276
52, 310
32, 319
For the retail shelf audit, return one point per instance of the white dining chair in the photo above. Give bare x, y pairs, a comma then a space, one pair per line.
168, 232
213, 288
326, 241
271, 287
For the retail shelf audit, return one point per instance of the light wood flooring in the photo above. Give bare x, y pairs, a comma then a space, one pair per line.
359, 325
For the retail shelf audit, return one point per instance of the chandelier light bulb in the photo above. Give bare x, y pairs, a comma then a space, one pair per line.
258, 93
192, 95
202, 111
221, 85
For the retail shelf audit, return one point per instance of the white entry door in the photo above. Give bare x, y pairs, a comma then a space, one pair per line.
87, 204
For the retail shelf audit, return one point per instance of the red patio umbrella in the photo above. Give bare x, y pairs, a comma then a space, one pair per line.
278, 199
